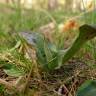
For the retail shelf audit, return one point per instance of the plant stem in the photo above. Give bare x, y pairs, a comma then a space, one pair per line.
73, 49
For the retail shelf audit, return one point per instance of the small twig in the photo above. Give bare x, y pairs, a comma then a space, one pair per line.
72, 90
70, 78
18, 80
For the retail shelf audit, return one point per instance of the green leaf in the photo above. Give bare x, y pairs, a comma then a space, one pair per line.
87, 89
2, 88
48, 52
41, 57
37, 40
52, 47
39, 44
16, 46
60, 58
48, 55
13, 70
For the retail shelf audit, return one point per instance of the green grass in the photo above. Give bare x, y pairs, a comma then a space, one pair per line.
31, 20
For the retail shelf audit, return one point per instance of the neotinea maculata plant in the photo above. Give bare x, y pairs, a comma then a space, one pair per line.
49, 56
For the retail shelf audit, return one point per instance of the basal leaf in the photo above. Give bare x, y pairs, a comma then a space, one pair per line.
13, 70
87, 89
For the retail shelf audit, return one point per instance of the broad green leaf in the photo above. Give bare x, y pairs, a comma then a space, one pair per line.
41, 57
13, 70
39, 44
87, 89
37, 40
